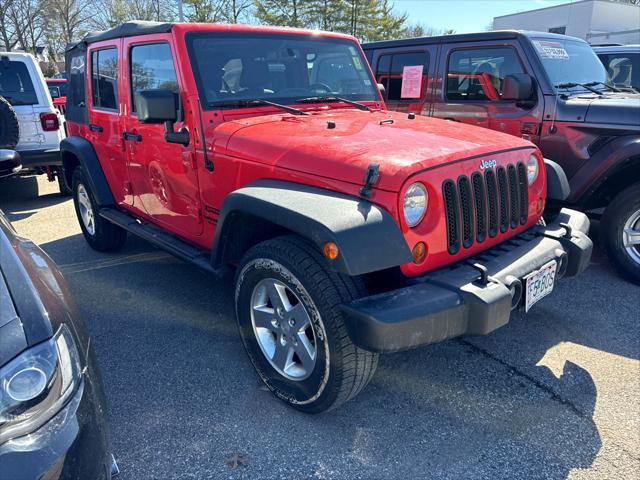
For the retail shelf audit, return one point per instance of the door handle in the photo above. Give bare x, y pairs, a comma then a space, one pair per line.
132, 137
95, 128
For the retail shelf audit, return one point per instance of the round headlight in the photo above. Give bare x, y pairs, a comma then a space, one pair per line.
26, 384
532, 169
415, 204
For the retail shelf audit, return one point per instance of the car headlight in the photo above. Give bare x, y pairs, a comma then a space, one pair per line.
415, 204
532, 169
36, 384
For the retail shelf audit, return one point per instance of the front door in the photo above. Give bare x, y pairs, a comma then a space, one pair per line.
472, 89
164, 179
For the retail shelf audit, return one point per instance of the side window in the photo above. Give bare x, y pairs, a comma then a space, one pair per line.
104, 78
76, 110
152, 67
479, 74
408, 70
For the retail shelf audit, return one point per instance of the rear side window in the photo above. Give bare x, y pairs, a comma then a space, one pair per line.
76, 108
392, 70
15, 83
623, 68
104, 78
151, 68
478, 74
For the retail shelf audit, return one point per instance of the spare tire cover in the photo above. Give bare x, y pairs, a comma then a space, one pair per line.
9, 127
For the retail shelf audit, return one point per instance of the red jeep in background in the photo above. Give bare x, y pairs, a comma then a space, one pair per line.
58, 91
353, 230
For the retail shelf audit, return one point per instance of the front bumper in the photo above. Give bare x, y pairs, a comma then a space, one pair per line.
71, 445
40, 158
473, 297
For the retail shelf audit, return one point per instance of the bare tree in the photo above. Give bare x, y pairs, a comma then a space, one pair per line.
7, 28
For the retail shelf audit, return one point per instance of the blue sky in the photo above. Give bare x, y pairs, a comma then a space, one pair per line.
465, 15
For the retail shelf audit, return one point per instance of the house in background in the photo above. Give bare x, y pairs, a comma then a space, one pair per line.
596, 21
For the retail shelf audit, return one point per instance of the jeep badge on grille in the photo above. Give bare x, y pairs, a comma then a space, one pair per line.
487, 164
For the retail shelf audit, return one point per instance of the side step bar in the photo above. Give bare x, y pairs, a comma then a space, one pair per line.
165, 241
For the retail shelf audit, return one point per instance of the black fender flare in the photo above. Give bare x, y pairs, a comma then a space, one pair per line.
82, 149
557, 183
601, 166
367, 236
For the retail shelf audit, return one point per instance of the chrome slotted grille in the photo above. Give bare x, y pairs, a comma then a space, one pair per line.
481, 206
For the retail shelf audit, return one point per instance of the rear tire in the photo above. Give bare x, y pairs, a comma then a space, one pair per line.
99, 233
621, 232
322, 367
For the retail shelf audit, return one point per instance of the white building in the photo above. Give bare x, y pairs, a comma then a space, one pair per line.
596, 21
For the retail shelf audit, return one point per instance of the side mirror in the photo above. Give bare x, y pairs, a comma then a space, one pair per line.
518, 87
381, 88
161, 106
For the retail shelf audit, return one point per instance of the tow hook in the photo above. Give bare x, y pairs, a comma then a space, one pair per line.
370, 179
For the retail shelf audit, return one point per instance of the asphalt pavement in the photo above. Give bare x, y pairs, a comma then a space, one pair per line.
553, 394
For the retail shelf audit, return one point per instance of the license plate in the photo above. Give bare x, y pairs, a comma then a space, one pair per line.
539, 284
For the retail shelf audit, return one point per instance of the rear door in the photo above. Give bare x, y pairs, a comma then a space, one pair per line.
473, 77
405, 73
163, 175
105, 129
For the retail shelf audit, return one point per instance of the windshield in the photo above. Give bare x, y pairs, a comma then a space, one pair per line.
623, 68
60, 87
569, 61
232, 68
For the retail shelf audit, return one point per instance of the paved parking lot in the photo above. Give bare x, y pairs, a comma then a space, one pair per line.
555, 394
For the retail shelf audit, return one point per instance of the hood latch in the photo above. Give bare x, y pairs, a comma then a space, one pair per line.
370, 179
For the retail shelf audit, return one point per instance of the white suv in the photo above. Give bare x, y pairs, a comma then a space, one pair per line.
39, 125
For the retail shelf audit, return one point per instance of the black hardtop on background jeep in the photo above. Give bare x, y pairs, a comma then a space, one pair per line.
353, 230
548, 88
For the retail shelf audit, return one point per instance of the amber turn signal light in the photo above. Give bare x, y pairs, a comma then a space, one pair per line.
419, 252
331, 250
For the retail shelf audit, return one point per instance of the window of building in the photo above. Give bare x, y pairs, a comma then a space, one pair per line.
104, 78
478, 74
560, 30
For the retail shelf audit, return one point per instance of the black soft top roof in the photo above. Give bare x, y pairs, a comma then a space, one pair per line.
466, 37
128, 29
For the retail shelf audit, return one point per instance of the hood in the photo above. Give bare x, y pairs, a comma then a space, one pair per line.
342, 143
614, 109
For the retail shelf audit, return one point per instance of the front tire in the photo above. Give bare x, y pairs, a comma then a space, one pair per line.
287, 309
621, 232
99, 233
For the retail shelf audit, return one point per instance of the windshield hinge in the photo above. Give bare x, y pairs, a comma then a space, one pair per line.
370, 179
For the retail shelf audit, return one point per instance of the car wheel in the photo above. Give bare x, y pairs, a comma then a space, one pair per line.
101, 234
621, 231
287, 309
65, 188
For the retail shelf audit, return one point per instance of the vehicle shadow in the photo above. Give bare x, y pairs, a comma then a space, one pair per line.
182, 394
19, 197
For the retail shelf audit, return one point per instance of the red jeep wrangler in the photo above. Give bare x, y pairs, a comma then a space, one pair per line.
354, 230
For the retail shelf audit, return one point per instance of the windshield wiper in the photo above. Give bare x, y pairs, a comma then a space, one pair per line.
586, 86
328, 99
255, 103
610, 87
